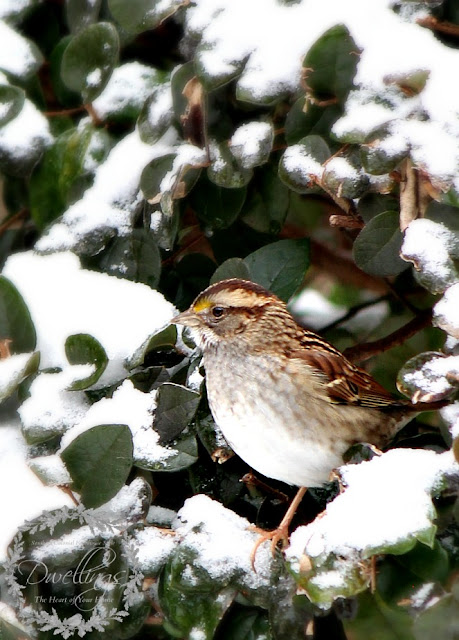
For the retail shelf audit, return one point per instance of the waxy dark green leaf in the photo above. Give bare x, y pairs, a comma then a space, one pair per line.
331, 64
280, 266
89, 59
81, 348
15, 321
377, 247
99, 461
176, 406
11, 103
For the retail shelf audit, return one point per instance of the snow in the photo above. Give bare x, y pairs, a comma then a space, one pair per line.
154, 548
51, 409
271, 58
94, 78
160, 516
187, 156
430, 246
451, 416
51, 470
445, 311
64, 299
11, 369
300, 165
26, 497
17, 55
386, 501
160, 110
251, 143
27, 132
133, 408
111, 202
130, 85
342, 169
222, 542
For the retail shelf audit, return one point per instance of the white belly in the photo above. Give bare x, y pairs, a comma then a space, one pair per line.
275, 454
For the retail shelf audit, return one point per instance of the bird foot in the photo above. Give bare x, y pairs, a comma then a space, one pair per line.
276, 535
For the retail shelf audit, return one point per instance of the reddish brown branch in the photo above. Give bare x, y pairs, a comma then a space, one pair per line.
19, 215
344, 269
64, 112
362, 352
430, 22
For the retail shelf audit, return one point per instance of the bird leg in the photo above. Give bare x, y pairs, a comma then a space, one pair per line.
281, 532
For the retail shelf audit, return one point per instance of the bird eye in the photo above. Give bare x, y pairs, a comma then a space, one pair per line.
217, 312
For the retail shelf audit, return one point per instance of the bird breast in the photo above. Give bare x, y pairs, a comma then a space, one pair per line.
275, 415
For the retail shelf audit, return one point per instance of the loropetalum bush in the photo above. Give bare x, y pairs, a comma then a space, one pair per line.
148, 148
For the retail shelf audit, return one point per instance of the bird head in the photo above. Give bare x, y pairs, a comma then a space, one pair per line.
230, 309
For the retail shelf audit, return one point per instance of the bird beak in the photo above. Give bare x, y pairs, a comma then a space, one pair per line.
188, 319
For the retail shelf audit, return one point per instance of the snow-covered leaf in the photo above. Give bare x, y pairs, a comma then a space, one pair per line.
301, 165
141, 15
14, 370
11, 102
429, 376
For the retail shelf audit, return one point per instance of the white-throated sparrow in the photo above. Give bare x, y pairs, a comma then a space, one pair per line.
287, 402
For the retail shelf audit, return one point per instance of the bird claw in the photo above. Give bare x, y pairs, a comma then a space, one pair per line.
276, 535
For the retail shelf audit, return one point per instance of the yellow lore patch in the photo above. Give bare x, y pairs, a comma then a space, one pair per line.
205, 303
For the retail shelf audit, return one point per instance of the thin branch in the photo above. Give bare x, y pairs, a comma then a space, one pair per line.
362, 352
353, 311
430, 22
64, 112
12, 219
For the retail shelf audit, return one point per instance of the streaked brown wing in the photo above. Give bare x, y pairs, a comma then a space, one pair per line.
345, 383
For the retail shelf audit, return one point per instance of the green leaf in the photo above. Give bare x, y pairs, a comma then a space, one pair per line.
306, 118
189, 613
81, 13
62, 175
440, 620
266, 205
216, 206
82, 348
11, 103
377, 247
246, 624
25, 367
176, 406
99, 461
15, 321
331, 64
165, 338
375, 618
135, 257
152, 122
379, 159
90, 58
231, 268
186, 447
179, 184
141, 15
280, 266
